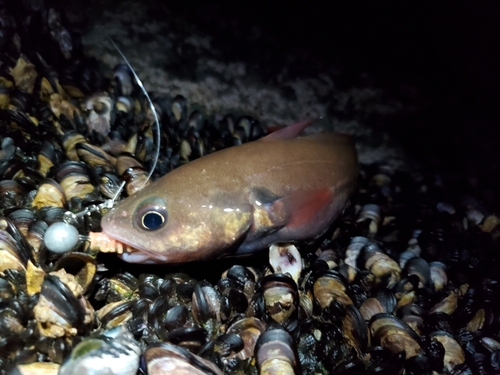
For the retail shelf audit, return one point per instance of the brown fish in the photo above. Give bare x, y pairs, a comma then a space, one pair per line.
280, 188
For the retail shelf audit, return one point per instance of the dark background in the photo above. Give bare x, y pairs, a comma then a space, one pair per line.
443, 57
440, 60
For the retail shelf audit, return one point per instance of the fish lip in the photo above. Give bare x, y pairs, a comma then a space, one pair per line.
131, 249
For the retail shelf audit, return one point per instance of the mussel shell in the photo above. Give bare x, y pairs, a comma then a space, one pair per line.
81, 265
16, 251
395, 335
49, 194
124, 78
206, 303
275, 353
115, 351
249, 330
95, 156
191, 338
281, 296
454, 354
176, 317
63, 300
164, 358
329, 287
115, 314
12, 195
355, 329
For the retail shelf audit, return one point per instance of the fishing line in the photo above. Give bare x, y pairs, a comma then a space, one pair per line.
152, 107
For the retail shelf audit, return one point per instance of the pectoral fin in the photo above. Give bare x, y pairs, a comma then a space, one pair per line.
294, 211
306, 206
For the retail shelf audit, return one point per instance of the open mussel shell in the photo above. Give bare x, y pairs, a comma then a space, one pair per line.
164, 358
281, 296
276, 353
81, 265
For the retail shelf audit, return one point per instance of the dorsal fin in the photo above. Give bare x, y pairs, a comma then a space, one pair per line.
290, 132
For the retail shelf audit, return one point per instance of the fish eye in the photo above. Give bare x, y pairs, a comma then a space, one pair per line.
151, 216
152, 220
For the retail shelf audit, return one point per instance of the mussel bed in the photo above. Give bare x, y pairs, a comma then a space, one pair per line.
406, 282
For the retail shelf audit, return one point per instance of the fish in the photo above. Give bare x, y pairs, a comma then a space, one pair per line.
236, 201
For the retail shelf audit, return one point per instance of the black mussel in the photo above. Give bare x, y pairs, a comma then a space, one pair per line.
206, 303
176, 317
164, 358
354, 329
330, 287
418, 266
243, 277
353, 250
95, 156
24, 75
370, 214
179, 110
385, 269
281, 296
14, 249
61, 309
49, 194
75, 180
12, 195
101, 114
249, 329
191, 338
233, 302
196, 121
394, 335
81, 265
448, 304
115, 314
109, 185
453, 353
22, 219
438, 275
70, 140
124, 79
275, 353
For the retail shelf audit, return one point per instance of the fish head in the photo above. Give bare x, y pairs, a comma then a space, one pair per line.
157, 227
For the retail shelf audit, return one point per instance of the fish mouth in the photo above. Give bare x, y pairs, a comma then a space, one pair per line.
100, 241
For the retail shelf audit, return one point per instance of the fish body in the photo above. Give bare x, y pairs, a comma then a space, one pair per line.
238, 200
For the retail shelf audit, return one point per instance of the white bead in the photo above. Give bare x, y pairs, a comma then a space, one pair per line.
61, 237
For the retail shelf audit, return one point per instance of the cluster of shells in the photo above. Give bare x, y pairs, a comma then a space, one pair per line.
406, 283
